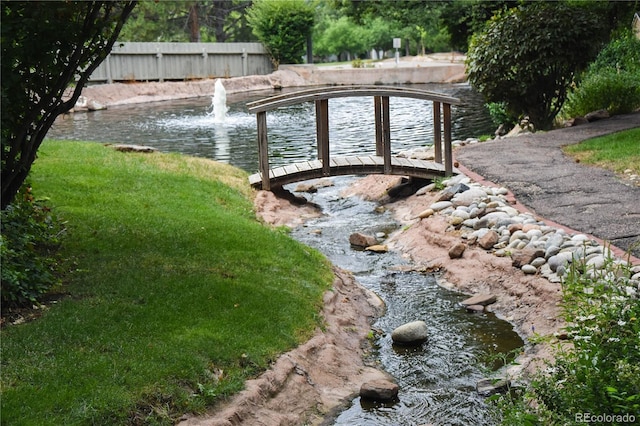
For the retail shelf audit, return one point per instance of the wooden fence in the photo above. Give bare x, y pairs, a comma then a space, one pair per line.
182, 61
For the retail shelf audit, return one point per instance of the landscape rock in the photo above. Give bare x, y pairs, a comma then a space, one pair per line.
378, 248
426, 213
441, 205
359, 239
597, 115
410, 333
467, 197
475, 308
457, 250
523, 257
448, 193
479, 299
134, 148
379, 390
488, 240
488, 387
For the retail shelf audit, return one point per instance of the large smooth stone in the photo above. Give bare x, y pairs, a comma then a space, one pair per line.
410, 333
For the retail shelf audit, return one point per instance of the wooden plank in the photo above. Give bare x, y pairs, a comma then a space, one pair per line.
290, 169
304, 167
340, 162
255, 179
278, 172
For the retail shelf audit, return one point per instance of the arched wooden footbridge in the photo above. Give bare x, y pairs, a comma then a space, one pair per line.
381, 163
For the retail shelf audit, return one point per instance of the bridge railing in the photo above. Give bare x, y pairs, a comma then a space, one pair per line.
381, 94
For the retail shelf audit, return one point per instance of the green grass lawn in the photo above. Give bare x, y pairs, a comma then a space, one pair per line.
616, 152
175, 296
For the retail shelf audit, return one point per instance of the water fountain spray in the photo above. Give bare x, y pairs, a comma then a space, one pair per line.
219, 102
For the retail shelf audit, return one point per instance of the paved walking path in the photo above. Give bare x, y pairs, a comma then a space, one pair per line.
584, 198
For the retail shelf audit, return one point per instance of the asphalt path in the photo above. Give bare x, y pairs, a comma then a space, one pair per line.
587, 199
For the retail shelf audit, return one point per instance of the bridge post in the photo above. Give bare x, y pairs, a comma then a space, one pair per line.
386, 135
437, 133
383, 130
377, 111
322, 134
263, 149
448, 154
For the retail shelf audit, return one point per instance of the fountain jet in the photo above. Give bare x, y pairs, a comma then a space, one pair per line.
219, 102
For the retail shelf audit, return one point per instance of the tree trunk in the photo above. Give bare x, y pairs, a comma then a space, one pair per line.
194, 26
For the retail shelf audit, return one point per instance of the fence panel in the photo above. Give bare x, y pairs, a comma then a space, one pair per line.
181, 61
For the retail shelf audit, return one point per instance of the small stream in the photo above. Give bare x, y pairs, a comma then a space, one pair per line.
437, 379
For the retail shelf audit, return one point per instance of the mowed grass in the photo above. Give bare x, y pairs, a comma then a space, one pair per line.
616, 152
176, 294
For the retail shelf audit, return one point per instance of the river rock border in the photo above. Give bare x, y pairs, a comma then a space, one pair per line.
485, 218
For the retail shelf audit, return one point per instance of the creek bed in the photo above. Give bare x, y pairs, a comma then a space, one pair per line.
438, 378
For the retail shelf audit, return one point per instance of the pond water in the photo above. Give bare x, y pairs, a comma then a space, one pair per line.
437, 379
187, 126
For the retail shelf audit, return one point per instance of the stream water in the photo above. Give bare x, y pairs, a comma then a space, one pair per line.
437, 379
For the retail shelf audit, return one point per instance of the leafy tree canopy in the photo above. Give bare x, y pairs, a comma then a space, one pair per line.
528, 56
283, 27
416, 22
184, 21
463, 18
46, 46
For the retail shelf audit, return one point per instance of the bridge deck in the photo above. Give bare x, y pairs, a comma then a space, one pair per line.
356, 165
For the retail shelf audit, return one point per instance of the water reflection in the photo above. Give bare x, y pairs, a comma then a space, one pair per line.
187, 126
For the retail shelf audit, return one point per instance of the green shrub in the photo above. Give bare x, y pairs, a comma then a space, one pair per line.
28, 247
499, 115
616, 91
612, 81
599, 373
622, 53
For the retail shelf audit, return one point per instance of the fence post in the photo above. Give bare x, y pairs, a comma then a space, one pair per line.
160, 68
204, 62
107, 64
245, 60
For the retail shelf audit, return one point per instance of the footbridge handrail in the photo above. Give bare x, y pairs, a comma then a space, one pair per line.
381, 94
